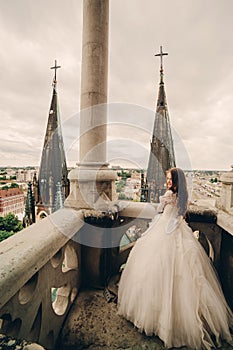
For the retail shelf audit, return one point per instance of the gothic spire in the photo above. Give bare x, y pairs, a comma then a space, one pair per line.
53, 166
162, 153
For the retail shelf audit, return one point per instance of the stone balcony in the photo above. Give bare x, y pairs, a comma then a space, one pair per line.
52, 287
93, 322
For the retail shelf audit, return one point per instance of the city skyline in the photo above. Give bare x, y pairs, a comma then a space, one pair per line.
198, 78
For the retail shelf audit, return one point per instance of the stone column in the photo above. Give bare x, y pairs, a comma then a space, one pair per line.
92, 181
94, 81
225, 201
92, 184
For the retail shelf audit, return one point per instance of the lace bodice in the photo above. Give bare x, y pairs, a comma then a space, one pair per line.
168, 198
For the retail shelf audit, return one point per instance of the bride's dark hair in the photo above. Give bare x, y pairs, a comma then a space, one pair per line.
179, 186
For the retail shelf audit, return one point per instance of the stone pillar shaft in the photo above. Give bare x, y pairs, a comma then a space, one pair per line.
92, 182
225, 202
94, 81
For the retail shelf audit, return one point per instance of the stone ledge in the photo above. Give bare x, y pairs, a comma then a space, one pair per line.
225, 221
198, 213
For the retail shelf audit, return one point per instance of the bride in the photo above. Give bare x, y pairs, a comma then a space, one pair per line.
169, 287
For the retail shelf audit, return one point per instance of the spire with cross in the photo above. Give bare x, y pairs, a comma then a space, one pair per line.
55, 67
162, 155
53, 168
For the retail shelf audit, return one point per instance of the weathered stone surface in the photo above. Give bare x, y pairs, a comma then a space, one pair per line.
93, 324
24, 254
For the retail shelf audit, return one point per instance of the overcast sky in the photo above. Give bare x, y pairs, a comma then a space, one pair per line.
198, 77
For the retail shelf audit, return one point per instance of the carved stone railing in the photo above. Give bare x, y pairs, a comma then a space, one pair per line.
101, 238
40, 277
41, 268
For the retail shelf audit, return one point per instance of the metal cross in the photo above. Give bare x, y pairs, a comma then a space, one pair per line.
161, 54
55, 68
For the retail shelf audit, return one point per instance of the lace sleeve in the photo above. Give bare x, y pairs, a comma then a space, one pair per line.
168, 198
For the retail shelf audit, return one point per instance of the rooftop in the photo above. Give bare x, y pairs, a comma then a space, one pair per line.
10, 192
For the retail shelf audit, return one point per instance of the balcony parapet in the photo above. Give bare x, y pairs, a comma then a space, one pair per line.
41, 266
40, 277
225, 221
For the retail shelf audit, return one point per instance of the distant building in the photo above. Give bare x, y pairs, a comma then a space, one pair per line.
52, 186
162, 153
10, 172
136, 175
24, 175
11, 201
132, 187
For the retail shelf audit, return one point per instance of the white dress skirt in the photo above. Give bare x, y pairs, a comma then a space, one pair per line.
170, 289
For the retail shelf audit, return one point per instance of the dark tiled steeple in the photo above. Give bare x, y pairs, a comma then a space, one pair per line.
162, 153
53, 168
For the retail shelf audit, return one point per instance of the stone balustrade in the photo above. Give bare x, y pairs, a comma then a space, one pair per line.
41, 273
40, 277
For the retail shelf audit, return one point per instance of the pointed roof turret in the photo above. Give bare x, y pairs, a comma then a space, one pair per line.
162, 153
53, 166
29, 216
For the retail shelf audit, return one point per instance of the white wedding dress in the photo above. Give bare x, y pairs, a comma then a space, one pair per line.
169, 287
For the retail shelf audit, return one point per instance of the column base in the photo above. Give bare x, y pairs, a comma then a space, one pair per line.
91, 185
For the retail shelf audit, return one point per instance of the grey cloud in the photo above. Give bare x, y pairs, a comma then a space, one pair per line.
198, 72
